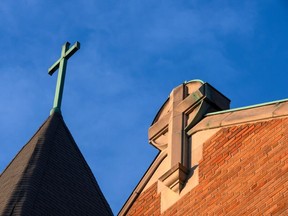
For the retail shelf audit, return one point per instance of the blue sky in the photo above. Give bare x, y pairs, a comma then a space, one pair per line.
133, 53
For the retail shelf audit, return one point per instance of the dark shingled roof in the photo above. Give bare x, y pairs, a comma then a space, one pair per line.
49, 176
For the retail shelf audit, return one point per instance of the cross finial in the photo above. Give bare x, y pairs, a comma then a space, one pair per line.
61, 63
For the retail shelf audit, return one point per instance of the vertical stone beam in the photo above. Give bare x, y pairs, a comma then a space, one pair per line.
185, 143
176, 127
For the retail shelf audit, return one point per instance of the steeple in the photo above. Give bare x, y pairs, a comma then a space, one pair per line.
49, 175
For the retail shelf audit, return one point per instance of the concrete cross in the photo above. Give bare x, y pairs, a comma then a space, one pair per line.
167, 131
186, 106
61, 63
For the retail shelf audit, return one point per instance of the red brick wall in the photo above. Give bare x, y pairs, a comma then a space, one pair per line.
148, 203
244, 171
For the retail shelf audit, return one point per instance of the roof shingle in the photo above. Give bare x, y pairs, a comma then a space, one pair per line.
49, 176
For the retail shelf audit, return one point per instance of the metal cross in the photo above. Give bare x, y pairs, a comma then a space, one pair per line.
61, 63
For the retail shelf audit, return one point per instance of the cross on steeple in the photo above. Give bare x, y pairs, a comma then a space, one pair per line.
61, 63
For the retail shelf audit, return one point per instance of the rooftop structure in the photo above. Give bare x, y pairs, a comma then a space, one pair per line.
214, 160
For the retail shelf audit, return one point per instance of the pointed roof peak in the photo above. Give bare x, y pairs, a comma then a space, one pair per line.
50, 175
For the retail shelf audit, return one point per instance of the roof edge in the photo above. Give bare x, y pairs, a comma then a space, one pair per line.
195, 80
247, 107
274, 109
87, 167
143, 182
25, 145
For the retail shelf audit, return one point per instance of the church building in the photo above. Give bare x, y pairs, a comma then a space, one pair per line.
214, 160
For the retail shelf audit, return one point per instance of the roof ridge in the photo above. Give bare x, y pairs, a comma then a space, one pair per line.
248, 107
24, 146
91, 176
19, 188
43, 170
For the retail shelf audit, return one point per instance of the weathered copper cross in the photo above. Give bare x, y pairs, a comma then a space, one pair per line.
61, 63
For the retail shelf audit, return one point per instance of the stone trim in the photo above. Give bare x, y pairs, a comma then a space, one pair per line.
175, 178
142, 183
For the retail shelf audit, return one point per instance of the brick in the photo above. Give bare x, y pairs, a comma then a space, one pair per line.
243, 172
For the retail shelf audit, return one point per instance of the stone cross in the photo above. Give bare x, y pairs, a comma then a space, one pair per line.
61, 63
167, 131
186, 105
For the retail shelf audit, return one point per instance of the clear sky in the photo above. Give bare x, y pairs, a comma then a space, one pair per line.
133, 53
